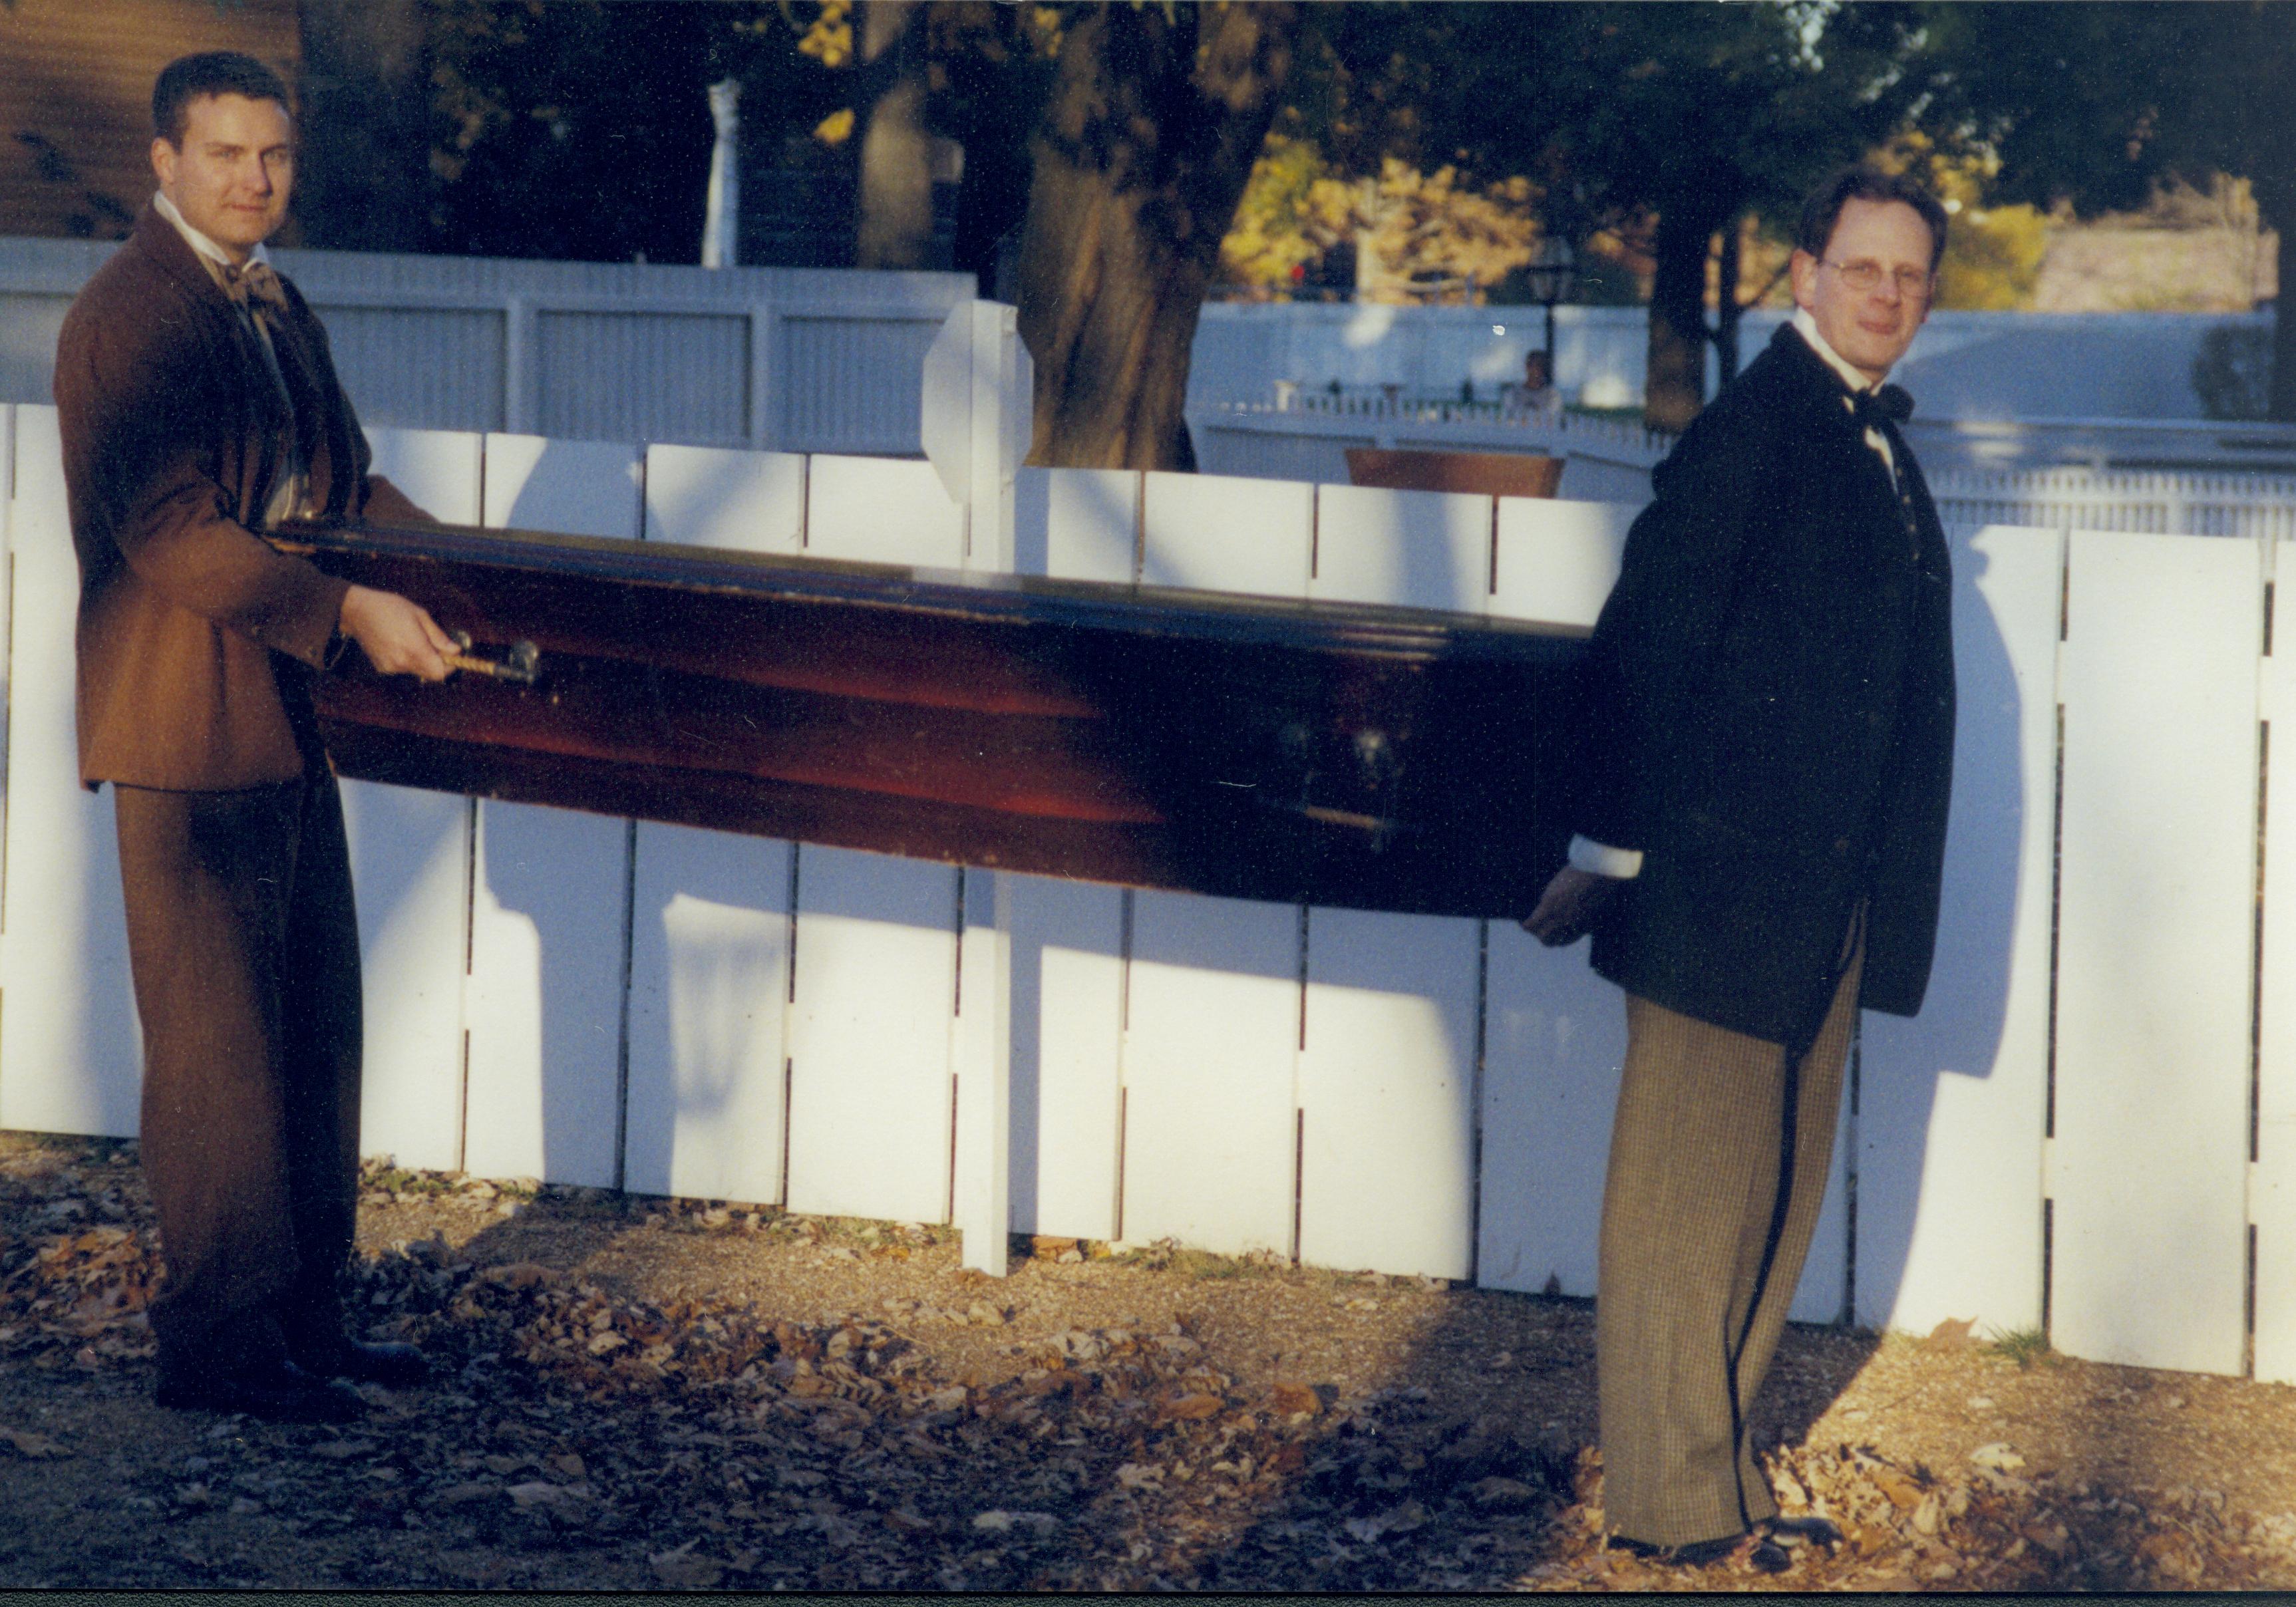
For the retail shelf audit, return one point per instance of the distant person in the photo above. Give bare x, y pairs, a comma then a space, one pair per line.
1770, 746
199, 407
1537, 391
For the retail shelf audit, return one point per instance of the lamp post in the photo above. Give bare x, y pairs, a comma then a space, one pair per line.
1554, 276
721, 219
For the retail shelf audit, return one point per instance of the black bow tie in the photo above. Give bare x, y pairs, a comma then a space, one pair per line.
1873, 408
255, 285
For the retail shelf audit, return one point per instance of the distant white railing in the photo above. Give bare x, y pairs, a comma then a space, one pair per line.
1963, 365
1307, 435
2156, 503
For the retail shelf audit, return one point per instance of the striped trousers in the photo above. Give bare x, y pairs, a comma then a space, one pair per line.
1720, 1154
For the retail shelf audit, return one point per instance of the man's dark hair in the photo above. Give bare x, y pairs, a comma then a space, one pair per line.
186, 78
1822, 209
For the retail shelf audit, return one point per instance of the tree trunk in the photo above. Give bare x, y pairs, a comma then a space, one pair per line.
364, 160
1155, 118
1675, 388
1726, 310
2276, 206
894, 222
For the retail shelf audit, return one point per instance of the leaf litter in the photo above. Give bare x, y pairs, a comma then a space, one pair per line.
649, 1394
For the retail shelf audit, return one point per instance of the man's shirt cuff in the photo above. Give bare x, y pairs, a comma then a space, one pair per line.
1601, 859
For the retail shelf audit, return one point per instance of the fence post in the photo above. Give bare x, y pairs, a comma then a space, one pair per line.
980, 390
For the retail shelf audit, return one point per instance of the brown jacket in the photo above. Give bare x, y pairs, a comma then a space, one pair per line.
194, 634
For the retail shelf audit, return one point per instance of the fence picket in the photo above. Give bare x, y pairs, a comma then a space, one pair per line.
1213, 1034
1387, 1072
70, 1051
710, 917
2155, 914
2272, 1194
708, 1009
1952, 1102
549, 916
1067, 957
1387, 1092
872, 1026
1553, 1033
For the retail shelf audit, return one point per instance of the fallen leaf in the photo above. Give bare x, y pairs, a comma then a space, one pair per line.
683, 1570
463, 1494
1190, 1407
31, 1445
1498, 1495
1951, 1335
1998, 1457
520, 1275
1294, 1400
1902, 1491
543, 1493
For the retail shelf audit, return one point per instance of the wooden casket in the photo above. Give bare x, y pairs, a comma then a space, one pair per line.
1252, 746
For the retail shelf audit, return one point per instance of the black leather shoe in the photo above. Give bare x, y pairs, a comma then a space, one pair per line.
1767, 1556
278, 1392
1790, 1532
394, 1366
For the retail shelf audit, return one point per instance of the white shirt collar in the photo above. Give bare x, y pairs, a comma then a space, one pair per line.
1806, 327
200, 243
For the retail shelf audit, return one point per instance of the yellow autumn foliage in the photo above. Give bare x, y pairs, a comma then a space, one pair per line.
1992, 255
1418, 236
829, 37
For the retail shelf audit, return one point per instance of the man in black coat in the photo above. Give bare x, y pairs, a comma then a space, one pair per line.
1769, 716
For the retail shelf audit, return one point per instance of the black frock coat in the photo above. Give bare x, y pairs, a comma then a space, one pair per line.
1769, 712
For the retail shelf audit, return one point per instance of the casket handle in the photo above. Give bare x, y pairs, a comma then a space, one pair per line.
521, 660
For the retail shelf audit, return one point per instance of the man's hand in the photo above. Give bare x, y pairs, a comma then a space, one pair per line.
1569, 906
398, 637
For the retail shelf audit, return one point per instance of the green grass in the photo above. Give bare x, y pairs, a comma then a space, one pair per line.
2023, 1346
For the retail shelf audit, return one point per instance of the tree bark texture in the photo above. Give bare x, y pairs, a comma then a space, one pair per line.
894, 227
364, 163
1728, 313
2276, 206
1674, 389
1156, 116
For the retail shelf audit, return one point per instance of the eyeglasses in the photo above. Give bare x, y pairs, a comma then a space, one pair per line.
1867, 275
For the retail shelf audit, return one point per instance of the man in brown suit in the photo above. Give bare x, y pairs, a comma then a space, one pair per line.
200, 407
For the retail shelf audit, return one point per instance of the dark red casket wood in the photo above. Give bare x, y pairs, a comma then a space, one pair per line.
1253, 747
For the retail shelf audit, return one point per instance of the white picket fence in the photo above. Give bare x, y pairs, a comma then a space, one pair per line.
793, 359
585, 999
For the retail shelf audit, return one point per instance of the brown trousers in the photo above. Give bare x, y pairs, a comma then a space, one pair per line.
1719, 1155
244, 948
